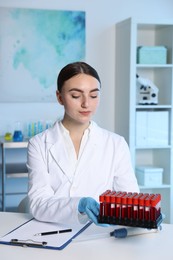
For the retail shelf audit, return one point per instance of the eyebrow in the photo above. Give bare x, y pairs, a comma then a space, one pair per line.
81, 91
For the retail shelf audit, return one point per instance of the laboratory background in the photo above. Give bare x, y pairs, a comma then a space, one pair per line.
130, 44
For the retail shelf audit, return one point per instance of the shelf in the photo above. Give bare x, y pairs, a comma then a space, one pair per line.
153, 107
154, 65
17, 175
14, 175
15, 186
10, 144
152, 147
163, 186
147, 128
16, 169
14, 193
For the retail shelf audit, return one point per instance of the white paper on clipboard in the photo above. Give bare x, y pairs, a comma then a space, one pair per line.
25, 234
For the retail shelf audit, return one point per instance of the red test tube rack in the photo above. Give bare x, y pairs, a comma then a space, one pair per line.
130, 209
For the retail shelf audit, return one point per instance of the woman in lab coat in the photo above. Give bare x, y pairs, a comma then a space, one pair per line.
75, 161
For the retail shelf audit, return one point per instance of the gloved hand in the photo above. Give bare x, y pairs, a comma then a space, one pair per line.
90, 207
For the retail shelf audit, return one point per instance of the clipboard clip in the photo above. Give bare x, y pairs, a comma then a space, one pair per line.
28, 243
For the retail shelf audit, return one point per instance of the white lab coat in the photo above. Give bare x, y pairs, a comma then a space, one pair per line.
54, 192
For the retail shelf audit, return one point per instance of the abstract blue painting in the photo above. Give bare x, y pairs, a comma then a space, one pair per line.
34, 46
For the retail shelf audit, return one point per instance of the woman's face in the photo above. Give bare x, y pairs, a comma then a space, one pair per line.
80, 97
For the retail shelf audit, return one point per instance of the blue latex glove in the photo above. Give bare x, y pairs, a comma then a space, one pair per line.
90, 207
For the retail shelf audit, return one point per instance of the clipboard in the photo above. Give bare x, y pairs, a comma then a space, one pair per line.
24, 235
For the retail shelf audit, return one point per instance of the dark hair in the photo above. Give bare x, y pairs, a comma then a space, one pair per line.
73, 69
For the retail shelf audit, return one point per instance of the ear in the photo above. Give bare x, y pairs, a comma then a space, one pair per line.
59, 97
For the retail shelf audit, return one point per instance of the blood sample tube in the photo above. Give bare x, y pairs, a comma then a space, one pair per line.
113, 205
147, 210
159, 205
155, 207
107, 207
135, 214
118, 207
102, 205
124, 206
130, 207
142, 208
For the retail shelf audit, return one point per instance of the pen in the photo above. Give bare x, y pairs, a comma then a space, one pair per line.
53, 232
27, 243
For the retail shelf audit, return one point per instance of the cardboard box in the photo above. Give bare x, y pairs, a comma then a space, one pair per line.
149, 175
151, 55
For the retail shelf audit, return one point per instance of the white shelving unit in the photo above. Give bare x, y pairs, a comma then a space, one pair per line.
130, 34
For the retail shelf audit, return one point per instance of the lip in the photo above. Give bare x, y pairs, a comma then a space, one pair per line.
85, 113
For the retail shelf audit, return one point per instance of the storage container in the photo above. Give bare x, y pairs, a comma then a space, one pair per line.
151, 55
152, 128
149, 175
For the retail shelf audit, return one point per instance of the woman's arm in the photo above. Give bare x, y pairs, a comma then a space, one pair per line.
45, 203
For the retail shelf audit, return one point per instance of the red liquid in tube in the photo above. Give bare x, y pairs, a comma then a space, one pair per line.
118, 205
147, 207
102, 202
113, 203
142, 206
135, 214
124, 207
155, 207
130, 205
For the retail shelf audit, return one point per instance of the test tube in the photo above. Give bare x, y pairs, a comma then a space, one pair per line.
158, 206
142, 208
29, 130
39, 126
155, 207
107, 207
124, 206
147, 209
130, 206
113, 205
32, 129
102, 205
118, 206
135, 214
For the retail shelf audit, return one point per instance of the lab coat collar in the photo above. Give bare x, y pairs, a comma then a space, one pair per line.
58, 152
54, 134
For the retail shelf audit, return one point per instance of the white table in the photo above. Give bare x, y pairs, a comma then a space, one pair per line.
155, 246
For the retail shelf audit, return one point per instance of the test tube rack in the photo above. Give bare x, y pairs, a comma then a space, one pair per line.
130, 209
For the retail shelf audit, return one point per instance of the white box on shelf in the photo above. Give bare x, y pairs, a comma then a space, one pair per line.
149, 175
152, 128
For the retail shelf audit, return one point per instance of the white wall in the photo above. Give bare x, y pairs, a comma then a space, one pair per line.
101, 16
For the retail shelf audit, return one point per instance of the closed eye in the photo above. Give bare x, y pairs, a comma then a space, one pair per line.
75, 96
94, 96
